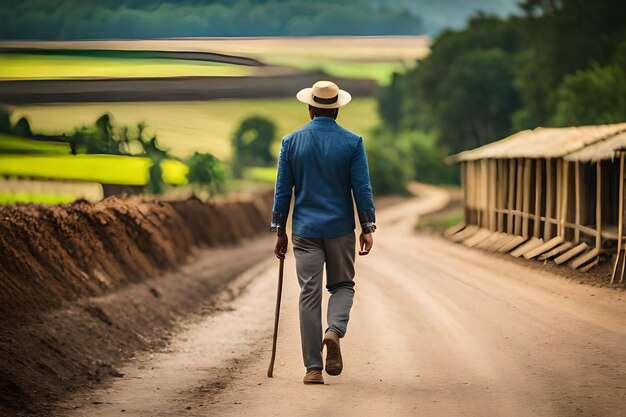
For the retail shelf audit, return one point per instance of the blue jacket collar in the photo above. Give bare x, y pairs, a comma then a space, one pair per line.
323, 119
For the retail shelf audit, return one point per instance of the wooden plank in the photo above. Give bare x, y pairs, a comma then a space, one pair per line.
487, 196
527, 246
575, 251
623, 268
577, 220
493, 181
478, 237
518, 240
477, 192
511, 196
465, 233
546, 246
565, 246
463, 179
518, 197
503, 240
547, 231
482, 192
470, 192
501, 178
454, 229
538, 180
620, 214
558, 201
526, 203
489, 241
564, 197
590, 265
599, 205
584, 258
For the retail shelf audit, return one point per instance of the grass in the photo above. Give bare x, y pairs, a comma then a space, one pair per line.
15, 144
107, 169
441, 222
12, 198
185, 127
34, 66
381, 72
261, 174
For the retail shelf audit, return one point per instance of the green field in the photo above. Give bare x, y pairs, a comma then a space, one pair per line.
13, 144
261, 174
12, 198
32, 66
370, 57
107, 169
185, 127
381, 72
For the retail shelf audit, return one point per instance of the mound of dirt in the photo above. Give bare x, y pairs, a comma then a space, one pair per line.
86, 285
55, 254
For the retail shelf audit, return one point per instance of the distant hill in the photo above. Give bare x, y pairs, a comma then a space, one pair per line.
441, 14
132, 19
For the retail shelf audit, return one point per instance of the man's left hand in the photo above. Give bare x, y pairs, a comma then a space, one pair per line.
281, 246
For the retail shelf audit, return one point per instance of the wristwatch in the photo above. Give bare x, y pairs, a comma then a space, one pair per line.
368, 228
280, 230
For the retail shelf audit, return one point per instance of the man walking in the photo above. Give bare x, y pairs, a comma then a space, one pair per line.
326, 165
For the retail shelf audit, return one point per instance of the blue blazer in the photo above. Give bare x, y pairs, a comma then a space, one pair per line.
325, 165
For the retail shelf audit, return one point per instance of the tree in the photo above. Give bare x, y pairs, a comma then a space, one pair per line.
593, 96
560, 38
390, 168
475, 104
464, 90
206, 172
22, 128
156, 156
252, 144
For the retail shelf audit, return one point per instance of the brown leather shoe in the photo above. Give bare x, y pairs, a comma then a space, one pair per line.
334, 363
313, 377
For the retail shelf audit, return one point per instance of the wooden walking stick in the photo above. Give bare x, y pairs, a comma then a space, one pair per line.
270, 371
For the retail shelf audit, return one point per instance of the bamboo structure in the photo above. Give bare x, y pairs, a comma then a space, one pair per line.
552, 193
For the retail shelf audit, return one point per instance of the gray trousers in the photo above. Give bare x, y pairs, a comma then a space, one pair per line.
311, 254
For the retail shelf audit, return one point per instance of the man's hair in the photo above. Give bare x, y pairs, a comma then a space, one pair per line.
324, 112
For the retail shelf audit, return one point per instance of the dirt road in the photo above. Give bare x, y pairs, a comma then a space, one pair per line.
437, 330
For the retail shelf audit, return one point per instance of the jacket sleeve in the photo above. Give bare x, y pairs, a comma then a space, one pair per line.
283, 189
361, 186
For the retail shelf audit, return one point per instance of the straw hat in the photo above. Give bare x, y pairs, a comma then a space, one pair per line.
325, 95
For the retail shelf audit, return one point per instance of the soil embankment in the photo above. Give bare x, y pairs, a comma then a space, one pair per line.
84, 286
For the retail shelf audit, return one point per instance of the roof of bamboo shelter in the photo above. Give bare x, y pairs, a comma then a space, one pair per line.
584, 143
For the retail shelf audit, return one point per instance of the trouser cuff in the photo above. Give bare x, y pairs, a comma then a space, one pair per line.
338, 331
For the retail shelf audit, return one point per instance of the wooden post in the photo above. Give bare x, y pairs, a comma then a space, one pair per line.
564, 196
599, 205
518, 197
538, 179
577, 221
493, 186
479, 192
470, 192
476, 192
509, 219
547, 231
484, 185
463, 189
620, 218
500, 179
558, 202
526, 206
